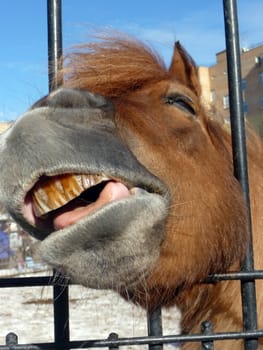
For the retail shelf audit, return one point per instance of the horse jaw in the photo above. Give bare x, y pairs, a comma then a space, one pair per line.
117, 243
114, 247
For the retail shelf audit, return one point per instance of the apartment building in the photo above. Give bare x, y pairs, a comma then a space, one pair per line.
4, 126
215, 86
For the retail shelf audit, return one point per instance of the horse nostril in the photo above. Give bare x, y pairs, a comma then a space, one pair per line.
95, 100
73, 98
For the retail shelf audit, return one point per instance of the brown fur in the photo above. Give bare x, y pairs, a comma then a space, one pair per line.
193, 158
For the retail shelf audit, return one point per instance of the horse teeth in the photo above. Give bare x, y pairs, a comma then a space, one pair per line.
59, 190
92, 180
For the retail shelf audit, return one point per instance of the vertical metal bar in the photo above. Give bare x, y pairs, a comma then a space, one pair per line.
61, 316
207, 329
113, 337
60, 292
239, 157
154, 322
54, 42
11, 340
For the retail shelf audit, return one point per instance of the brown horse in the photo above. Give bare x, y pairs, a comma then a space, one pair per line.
128, 182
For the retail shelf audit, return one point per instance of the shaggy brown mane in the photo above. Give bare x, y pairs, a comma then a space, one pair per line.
116, 64
113, 66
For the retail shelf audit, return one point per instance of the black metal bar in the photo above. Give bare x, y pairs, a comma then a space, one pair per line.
242, 276
207, 328
11, 339
155, 328
166, 339
61, 317
239, 156
12, 343
54, 15
113, 337
13, 282
60, 293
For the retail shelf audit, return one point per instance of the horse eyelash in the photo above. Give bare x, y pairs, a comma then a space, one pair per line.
182, 102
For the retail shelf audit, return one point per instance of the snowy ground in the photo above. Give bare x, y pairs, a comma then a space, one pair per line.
28, 312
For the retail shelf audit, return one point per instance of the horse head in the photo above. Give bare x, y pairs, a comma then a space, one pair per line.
124, 177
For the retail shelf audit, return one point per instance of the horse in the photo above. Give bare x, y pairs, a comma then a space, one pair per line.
126, 179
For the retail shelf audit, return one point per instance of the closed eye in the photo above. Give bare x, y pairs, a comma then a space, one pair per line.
183, 102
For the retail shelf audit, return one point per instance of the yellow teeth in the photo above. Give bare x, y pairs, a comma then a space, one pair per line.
56, 191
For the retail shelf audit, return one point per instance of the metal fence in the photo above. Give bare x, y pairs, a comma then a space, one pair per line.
155, 340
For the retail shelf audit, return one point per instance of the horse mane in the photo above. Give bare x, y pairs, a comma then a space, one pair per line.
113, 65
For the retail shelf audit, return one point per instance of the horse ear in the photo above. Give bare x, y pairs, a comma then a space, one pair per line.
183, 69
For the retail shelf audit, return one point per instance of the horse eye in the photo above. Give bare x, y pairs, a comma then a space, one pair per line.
182, 102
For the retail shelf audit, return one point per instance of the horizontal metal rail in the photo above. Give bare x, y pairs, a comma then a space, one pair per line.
147, 340
12, 282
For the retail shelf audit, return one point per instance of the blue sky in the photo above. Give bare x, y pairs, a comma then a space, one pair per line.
198, 24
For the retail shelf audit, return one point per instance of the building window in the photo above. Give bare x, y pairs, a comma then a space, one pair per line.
261, 78
258, 60
245, 107
226, 102
244, 84
227, 120
212, 96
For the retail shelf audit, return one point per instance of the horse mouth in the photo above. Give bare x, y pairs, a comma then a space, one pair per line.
56, 202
